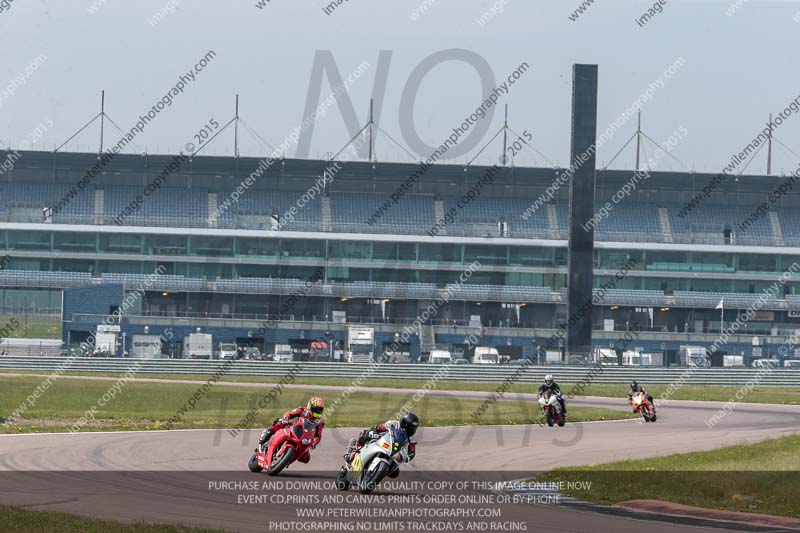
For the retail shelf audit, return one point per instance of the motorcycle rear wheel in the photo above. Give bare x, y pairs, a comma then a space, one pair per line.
283, 462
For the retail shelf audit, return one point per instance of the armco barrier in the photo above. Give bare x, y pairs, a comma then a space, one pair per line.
486, 373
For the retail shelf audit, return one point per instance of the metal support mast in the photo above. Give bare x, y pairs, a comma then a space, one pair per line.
504, 157
638, 139
769, 149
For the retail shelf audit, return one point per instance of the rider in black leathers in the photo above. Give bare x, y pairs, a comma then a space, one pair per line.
550, 385
635, 387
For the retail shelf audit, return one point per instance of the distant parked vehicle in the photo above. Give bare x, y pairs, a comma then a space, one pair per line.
694, 356
763, 363
198, 346
227, 350
460, 361
145, 347
252, 352
283, 354
440, 357
733, 361
792, 363
486, 356
360, 346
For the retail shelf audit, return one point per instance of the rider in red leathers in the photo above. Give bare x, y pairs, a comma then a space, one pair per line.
312, 411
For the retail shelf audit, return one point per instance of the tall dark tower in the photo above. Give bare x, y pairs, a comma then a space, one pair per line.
581, 209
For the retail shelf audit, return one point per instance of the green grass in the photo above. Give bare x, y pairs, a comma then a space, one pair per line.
23, 521
751, 478
773, 395
151, 405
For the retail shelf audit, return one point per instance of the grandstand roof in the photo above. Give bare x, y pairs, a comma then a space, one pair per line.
66, 167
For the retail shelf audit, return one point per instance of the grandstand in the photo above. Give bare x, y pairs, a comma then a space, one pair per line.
229, 264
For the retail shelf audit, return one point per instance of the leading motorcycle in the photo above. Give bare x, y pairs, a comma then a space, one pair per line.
643, 406
290, 444
375, 461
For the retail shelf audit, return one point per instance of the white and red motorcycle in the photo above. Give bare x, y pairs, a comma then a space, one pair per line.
551, 408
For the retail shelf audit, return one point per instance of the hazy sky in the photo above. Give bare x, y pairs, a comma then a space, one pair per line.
737, 70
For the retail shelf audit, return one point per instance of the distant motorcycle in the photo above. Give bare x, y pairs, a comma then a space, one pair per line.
551, 408
375, 461
643, 407
290, 444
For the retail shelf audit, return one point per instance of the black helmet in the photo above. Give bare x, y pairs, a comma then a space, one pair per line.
410, 423
634, 386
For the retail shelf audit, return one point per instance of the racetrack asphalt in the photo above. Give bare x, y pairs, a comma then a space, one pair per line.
96, 473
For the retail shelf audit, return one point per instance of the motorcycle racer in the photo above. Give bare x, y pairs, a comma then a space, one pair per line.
635, 387
312, 411
550, 385
408, 422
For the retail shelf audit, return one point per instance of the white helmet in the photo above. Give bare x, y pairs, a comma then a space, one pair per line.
548, 379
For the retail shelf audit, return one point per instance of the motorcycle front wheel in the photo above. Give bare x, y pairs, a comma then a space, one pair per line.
369, 484
282, 462
341, 480
253, 464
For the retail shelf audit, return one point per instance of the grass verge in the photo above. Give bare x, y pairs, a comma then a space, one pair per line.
771, 395
750, 478
139, 405
24, 521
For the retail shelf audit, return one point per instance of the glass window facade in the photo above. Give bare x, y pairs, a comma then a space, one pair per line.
347, 261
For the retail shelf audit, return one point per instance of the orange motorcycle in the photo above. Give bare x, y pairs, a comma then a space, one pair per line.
643, 407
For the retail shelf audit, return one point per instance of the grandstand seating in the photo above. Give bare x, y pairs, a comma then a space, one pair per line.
169, 206
25, 278
629, 297
629, 222
421, 291
390, 289
487, 212
24, 202
413, 214
351, 211
254, 209
503, 293
793, 301
790, 224
161, 282
731, 300
707, 225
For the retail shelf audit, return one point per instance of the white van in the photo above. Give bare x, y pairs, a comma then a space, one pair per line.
440, 357
283, 354
485, 356
228, 350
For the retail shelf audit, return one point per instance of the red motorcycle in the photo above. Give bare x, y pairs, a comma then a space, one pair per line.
290, 444
643, 407
551, 408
